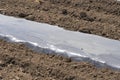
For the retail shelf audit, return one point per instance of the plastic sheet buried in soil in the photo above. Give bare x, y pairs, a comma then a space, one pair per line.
48, 38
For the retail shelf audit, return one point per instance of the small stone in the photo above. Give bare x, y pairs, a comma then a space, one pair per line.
22, 15
64, 11
83, 14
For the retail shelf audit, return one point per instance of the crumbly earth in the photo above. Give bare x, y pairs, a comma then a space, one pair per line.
17, 62
100, 17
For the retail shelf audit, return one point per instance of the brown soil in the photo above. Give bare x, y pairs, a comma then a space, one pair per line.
100, 17
17, 62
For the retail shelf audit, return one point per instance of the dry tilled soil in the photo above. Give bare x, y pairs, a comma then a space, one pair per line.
17, 62
100, 17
